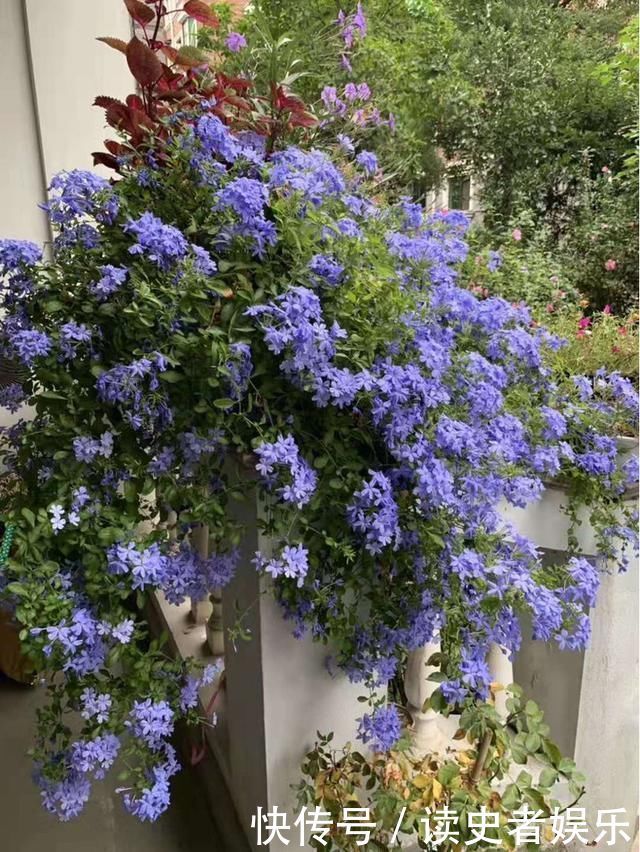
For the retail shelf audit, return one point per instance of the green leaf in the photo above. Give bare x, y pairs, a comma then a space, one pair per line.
548, 777
533, 743
447, 773
552, 751
224, 403
437, 702
511, 797
172, 376
519, 753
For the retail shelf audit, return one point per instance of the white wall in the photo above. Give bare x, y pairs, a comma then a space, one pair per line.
52, 68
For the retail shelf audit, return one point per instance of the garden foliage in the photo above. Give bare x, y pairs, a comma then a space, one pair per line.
232, 300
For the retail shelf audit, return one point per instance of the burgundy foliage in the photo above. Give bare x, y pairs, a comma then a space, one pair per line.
170, 79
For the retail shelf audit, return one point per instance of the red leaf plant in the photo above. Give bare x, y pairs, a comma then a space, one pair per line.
169, 80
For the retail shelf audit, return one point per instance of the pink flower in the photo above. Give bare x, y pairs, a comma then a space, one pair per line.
607, 310
611, 265
606, 170
516, 234
585, 322
550, 308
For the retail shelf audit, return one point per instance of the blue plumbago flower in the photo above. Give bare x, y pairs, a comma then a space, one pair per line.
58, 520
78, 640
77, 194
152, 722
283, 456
348, 227
583, 386
623, 392
188, 575
152, 801
95, 756
162, 244
29, 344
586, 579
87, 449
327, 268
198, 450
292, 563
64, 799
163, 462
123, 631
240, 367
72, 335
216, 138
412, 213
203, 262
475, 672
381, 729
113, 277
435, 485
246, 197
469, 565
374, 513
309, 173
134, 388
12, 397
95, 705
495, 261
294, 322
454, 692
189, 693
80, 498
17, 260
147, 567
368, 162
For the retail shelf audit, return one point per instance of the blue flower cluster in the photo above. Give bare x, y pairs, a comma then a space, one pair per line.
283, 455
381, 729
393, 415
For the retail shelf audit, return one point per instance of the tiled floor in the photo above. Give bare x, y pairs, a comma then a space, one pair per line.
104, 826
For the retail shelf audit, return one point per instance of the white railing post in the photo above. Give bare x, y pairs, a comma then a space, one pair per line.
425, 733
215, 625
201, 609
501, 670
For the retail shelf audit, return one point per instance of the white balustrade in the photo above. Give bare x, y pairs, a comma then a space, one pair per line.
425, 733
501, 670
201, 609
215, 624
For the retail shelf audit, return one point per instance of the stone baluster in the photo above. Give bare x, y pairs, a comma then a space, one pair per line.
215, 625
425, 732
501, 670
171, 524
201, 609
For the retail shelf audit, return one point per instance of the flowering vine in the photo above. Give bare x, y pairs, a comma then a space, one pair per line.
222, 303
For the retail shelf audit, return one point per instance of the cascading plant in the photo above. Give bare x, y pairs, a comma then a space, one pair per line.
221, 301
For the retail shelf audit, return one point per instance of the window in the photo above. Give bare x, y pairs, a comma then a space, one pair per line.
189, 32
459, 193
